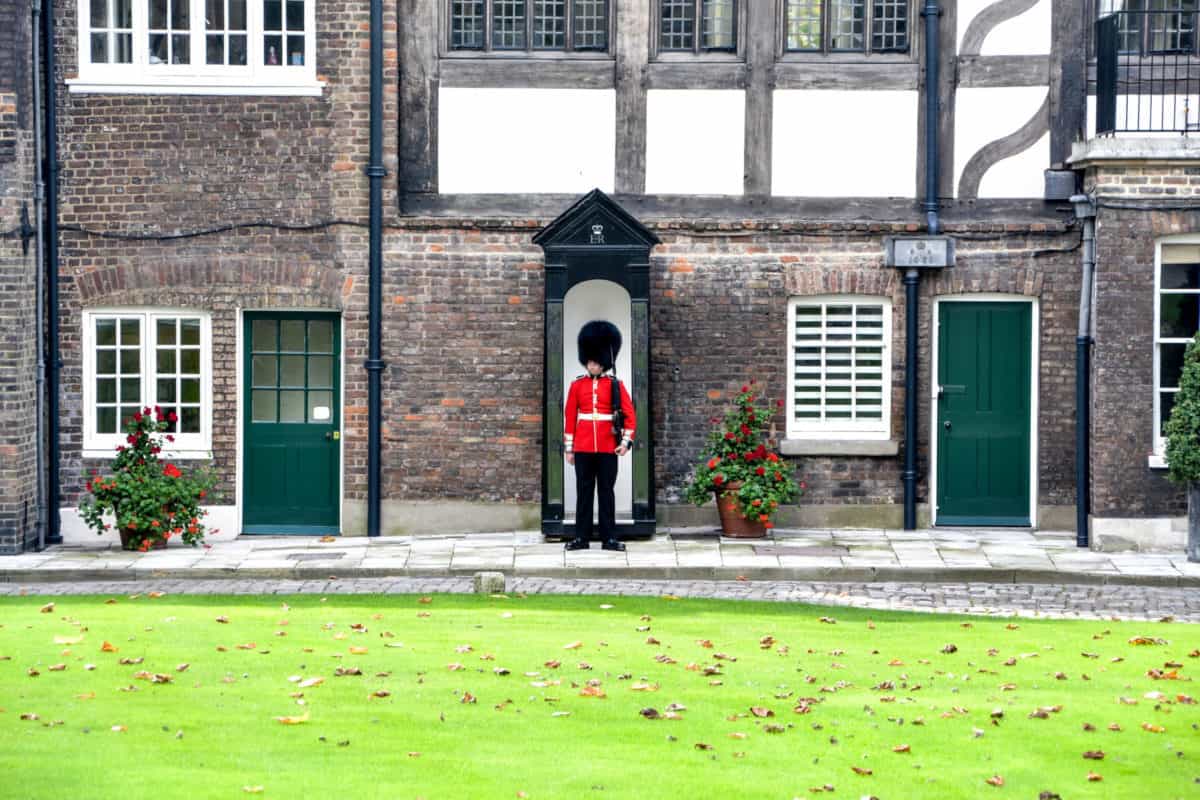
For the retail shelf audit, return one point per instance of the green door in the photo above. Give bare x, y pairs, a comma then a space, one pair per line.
983, 413
292, 374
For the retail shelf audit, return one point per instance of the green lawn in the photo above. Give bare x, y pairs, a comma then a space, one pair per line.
931, 706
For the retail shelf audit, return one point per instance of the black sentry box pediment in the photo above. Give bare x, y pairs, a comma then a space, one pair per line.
596, 222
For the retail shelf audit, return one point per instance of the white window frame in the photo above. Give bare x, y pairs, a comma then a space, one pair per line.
142, 77
1158, 457
186, 445
840, 429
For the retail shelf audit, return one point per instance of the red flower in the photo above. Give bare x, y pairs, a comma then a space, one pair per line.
718, 480
729, 436
760, 471
203, 494
750, 399
745, 430
172, 416
779, 403
803, 485
756, 503
778, 477
120, 448
712, 462
768, 524
131, 439
752, 381
88, 485
155, 524
772, 457
760, 452
171, 471
745, 388
749, 456
170, 438
137, 416
763, 517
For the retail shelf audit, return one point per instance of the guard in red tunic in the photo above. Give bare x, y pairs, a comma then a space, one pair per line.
591, 442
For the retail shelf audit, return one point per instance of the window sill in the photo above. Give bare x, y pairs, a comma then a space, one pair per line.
839, 447
1157, 462
165, 455
196, 87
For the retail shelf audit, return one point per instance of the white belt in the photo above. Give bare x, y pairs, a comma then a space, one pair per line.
595, 417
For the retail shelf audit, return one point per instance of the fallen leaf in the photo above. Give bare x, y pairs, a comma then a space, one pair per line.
343, 671
995, 780
56, 667
156, 595
182, 667
224, 620
119, 728
862, 770
108, 647
901, 748
1150, 727
1094, 755
293, 720
358, 651
737, 735
643, 687
46, 609
650, 713
1094, 777
1147, 640
828, 620
573, 646
467, 697
253, 789
592, 691
703, 746
759, 711
310, 682
379, 693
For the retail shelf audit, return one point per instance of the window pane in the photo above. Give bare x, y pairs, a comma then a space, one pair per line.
549, 24
106, 362
804, 24
158, 14
291, 406
179, 15
291, 371
124, 48
320, 336
131, 390
320, 406
99, 13
165, 363
1181, 276
320, 371
189, 420
508, 24
165, 331
295, 15
678, 25
106, 420
189, 361
1171, 365
106, 390
237, 15
106, 332
466, 24
262, 406
591, 25
158, 48
272, 46
165, 391
291, 335
214, 49
719, 24
295, 50
123, 13
131, 362
889, 26
846, 22
263, 335
272, 15
127, 413
214, 15
180, 49
99, 48
1178, 317
237, 50
131, 331
263, 371
189, 389
1166, 402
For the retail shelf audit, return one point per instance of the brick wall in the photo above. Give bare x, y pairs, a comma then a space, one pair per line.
17, 282
1123, 483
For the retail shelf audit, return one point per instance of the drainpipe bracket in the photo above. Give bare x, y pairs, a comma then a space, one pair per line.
27, 231
375, 171
375, 365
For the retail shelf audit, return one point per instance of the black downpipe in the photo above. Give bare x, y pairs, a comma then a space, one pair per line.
912, 280
53, 361
931, 12
374, 363
1083, 347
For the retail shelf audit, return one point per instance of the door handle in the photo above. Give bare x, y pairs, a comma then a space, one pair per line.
946, 425
333, 436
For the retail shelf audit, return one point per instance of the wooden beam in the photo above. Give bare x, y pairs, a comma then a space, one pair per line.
501, 73
1068, 77
632, 51
760, 68
418, 32
899, 74
981, 71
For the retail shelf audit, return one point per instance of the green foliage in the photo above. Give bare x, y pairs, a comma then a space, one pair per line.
736, 453
1183, 427
149, 500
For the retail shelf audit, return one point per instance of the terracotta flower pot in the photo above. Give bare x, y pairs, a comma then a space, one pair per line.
127, 541
733, 524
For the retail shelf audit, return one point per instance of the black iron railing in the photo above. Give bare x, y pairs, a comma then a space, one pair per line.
1148, 72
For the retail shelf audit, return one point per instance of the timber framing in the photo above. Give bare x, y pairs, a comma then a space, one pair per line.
760, 66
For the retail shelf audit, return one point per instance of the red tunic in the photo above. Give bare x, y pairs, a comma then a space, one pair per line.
587, 424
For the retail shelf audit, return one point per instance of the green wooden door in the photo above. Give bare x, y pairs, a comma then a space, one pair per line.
292, 376
983, 413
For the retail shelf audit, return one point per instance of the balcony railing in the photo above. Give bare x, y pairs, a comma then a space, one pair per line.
1147, 72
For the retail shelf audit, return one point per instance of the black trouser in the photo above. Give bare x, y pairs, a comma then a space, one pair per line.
592, 469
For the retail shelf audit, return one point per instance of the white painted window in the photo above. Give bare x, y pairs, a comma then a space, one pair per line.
839, 364
197, 47
1176, 320
134, 359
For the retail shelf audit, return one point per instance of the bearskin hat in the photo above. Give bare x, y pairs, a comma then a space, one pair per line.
599, 341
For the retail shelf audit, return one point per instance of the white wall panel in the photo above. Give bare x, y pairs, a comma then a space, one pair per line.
844, 143
1024, 34
984, 115
695, 141
526, 140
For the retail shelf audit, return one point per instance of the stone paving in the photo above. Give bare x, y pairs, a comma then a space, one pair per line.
993, 556
1022, 599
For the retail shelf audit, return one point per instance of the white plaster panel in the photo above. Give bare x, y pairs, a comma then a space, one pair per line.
829, 143
598, 299
695, 141
985, 114
526, 140
1024, 34
224, 519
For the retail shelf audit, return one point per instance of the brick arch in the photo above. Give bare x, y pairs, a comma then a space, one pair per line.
987, 278
823, 279
270, 282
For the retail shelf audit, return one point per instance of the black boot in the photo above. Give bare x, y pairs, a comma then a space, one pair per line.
613, 544
578, 544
